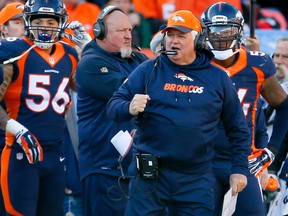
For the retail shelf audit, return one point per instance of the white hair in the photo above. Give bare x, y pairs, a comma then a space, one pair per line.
125, 52
194, 34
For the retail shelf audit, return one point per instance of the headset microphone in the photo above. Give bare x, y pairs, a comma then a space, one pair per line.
136, 46
168, 52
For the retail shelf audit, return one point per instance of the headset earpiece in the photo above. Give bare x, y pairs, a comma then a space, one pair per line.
200, 39
163, 43
100, 29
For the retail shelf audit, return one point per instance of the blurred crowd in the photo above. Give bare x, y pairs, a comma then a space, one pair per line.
147, 16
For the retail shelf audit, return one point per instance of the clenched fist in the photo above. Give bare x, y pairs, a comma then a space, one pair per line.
138, 104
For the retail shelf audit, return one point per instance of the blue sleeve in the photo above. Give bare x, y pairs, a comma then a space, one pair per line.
280, 157
262, 61
280, 126
12, 48
268, 66
118, 105
236, 129
261, 136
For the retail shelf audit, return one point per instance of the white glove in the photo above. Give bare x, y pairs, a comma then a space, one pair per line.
80, 36
26, 140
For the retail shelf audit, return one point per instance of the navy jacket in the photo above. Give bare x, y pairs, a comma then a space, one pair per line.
187, 104
99, 74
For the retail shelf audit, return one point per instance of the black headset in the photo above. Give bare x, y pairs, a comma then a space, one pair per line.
201, 37
100, 29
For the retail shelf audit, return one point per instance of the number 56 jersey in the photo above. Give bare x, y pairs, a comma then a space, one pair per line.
39, 94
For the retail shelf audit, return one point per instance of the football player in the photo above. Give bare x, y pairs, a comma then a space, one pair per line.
252, 73
38, 71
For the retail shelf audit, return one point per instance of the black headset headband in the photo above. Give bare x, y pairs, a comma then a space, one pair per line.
100, 28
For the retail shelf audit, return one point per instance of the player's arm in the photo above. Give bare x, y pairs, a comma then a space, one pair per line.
7, 77
24, 138
252, 44
273, 92
7, 73
276, 97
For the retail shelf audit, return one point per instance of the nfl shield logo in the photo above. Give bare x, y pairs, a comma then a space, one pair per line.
52, 61
19, 156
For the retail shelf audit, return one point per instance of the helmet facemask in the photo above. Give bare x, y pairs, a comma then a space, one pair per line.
224, 40
45, 36
225, 28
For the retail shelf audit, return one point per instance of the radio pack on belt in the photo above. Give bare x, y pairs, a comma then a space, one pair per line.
147, 165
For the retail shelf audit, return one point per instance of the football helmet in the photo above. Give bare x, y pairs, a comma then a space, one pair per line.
225, 28
45, 36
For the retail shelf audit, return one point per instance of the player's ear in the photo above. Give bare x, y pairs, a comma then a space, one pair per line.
3, 30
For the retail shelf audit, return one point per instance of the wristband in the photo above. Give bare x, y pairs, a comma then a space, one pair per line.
14, 127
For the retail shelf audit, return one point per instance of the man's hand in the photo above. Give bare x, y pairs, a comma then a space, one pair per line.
237, 182
138, 104
260, 160
80, 36
26, 140
252, 44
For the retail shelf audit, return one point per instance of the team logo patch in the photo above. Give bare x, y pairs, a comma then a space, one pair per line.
20, 7
104, 70
52, 61
183, 77
19, 156
178, 18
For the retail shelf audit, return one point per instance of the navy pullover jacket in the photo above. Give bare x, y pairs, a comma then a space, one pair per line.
187, 104
99, 74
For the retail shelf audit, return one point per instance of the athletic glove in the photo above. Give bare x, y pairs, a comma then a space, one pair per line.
26, 140
80, 36
260, 160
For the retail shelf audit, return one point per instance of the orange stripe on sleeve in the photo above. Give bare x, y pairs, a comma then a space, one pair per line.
260, 79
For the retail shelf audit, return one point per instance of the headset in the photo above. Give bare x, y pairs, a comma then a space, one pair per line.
100, 28
201, 37
200, 40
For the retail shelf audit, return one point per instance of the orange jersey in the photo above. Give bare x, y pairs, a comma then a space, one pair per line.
86, 13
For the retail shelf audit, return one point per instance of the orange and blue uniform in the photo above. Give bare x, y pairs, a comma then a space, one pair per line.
37, 98
248, 73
